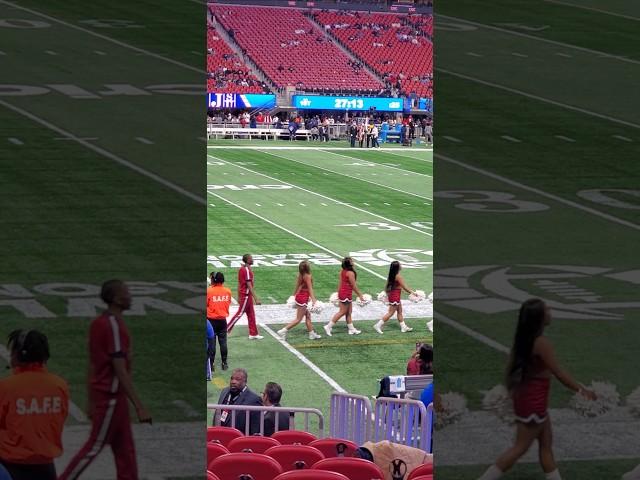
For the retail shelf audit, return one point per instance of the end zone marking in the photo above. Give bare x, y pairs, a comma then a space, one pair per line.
74, 410
305, 360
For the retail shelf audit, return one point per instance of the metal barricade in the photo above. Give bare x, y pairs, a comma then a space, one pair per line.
403, 421
257, 413
350, 417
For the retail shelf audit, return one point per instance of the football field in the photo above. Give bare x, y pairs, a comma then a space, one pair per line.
90, 190
540, 166
284, 204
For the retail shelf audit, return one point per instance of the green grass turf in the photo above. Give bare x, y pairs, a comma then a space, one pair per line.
573, 470
356, 363
84, 236
422, 146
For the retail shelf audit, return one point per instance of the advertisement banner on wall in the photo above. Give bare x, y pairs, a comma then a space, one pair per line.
236, 100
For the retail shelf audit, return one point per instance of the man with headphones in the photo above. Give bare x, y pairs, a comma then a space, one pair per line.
33, 408
218, 301
110, 388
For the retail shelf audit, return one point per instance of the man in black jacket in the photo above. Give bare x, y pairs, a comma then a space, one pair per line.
271, 398
239, 394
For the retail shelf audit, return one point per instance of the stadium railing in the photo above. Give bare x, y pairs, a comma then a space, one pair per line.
250, 133
403, 421
350, 417
290, 412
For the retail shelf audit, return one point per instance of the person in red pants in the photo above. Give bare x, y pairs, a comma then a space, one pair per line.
110, 389
246, 299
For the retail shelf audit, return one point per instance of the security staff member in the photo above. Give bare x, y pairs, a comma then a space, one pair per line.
218, 301
33, 408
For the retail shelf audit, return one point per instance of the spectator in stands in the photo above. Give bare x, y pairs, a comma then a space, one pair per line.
421, 362
385, 453
238, 393
271, 398
253, 123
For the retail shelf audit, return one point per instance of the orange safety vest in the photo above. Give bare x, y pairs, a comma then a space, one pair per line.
33, 408
218, 301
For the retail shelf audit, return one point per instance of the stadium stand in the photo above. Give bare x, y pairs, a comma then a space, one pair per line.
295, 457
352, 468
397, 47
292, 51
335, 447
294, 437
225, 70
238, 465
215, 450
310, 475
223, 435
253, 444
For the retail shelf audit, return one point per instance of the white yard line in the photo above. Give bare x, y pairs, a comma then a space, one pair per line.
361, 179
381, 164
539, 98
15, 141
511, 139
593, 9
472, 333
75, 411
449, 137
105, 153
542, 193
101, 36
324, 196
291, 232
540, 39
305, 360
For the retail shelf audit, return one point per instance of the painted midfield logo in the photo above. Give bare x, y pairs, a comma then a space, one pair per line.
573, 292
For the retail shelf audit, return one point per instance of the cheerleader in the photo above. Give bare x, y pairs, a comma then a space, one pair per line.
395, 285
302, 293
531, 365
346, 288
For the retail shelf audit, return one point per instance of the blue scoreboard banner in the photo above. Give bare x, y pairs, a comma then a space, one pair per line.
322, 102
236, 100
426, 104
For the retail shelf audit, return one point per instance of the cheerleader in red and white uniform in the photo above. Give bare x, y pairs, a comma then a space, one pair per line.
302, 293
346, 288
531, 365
395, 285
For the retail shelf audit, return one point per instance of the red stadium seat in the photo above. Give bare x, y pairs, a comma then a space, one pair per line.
253, 444
426, 469
293, 437
354, 468
424, 477
311, 475
223, 435
212, 476
295, 457
245, 466
335, 447
214, 450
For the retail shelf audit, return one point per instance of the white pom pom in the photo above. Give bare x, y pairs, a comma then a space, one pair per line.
291, 302
430, 297
454, 406
334, 299
418, 296
317, 308
430, 325
633, 402
208, 280
498, 401
366, 300
608, 398
382, 297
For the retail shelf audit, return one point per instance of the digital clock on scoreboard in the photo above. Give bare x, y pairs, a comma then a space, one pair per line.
330, 102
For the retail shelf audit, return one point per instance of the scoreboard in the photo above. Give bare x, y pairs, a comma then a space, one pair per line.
331, 102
